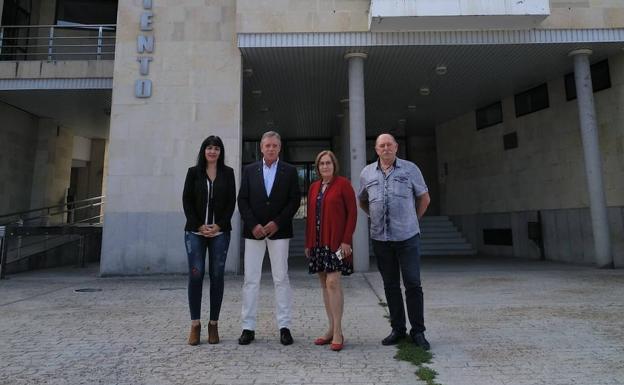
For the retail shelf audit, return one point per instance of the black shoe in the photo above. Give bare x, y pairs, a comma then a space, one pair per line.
246, 337
393, 338
285, 337
420, 340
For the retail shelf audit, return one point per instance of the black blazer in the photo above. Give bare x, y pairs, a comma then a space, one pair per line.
195, 197
280, 206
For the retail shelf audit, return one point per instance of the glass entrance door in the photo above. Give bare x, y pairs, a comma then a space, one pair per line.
306, 173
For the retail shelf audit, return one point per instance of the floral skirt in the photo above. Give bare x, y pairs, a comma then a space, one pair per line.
323, 260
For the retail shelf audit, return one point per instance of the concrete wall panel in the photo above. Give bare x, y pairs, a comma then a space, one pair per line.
196, 92
352, 15
302, 15
52, 169
18, 143
616, 221
566, 234
546, 171
41, 69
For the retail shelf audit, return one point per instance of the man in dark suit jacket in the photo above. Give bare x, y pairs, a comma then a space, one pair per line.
268, 199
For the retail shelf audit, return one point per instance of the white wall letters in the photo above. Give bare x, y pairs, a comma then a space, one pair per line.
145, 44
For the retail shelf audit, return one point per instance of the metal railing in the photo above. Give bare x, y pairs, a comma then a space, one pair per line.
44, 225
57, 42
42, 216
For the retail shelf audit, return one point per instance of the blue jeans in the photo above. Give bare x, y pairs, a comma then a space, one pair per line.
396, 259
196, 246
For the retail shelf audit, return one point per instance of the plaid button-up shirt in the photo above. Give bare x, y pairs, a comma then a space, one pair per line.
392, 199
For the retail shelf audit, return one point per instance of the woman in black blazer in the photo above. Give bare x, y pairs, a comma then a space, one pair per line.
209, 197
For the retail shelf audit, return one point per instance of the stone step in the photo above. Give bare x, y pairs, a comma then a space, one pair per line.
438, 234
437, 218
447, 246
438, 226
448, 252
436, 241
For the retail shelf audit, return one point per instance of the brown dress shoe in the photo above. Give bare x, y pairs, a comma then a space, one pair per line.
194, 335
213, 333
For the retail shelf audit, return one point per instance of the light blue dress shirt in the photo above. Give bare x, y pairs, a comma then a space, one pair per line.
268, 173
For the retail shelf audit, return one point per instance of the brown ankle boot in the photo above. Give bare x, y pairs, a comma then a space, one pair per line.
194, 335
213, 333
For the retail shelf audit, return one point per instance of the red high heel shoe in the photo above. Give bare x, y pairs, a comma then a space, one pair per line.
323, 341
337, 347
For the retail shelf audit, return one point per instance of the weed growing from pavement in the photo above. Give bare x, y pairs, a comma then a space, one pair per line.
408, 351
427, 374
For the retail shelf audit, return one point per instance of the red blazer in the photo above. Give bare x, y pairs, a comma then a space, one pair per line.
338, 214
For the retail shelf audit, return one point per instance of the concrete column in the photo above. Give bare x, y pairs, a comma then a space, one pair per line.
345, 144
357, 140
148, 160
591, 153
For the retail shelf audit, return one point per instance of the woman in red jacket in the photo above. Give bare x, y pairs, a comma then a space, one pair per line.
330, 224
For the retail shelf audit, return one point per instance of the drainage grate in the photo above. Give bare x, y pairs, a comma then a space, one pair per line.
87, 290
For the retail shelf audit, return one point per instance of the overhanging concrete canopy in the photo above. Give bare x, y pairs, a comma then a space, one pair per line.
418, 15
302, 77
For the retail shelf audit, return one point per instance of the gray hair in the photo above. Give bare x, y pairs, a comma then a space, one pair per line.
271, 134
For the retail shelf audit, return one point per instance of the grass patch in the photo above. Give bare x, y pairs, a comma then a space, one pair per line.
411, 353
408, 351
427, 374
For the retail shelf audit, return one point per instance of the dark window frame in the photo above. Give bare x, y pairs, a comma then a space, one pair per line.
69, 23
497, 237
600, 68
533, 95
510, 141
483, 112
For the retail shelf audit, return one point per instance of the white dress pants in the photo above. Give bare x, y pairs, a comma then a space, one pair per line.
278, 255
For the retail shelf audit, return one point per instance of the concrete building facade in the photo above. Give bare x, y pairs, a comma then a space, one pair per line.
429, 72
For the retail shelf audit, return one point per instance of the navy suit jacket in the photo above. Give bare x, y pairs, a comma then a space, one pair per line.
279, 206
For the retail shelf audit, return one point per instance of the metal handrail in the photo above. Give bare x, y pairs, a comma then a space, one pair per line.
60, 205
22, 215
11, 49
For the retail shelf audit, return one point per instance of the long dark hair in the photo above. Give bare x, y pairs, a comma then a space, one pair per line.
212, 140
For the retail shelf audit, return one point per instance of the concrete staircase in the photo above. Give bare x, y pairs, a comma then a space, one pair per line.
297, 243
440, 237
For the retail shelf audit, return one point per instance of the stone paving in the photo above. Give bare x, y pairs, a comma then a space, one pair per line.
490, 321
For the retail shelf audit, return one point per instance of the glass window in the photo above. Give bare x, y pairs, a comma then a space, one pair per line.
489, 115
498, 237
70, 12
532, 100
601, 79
